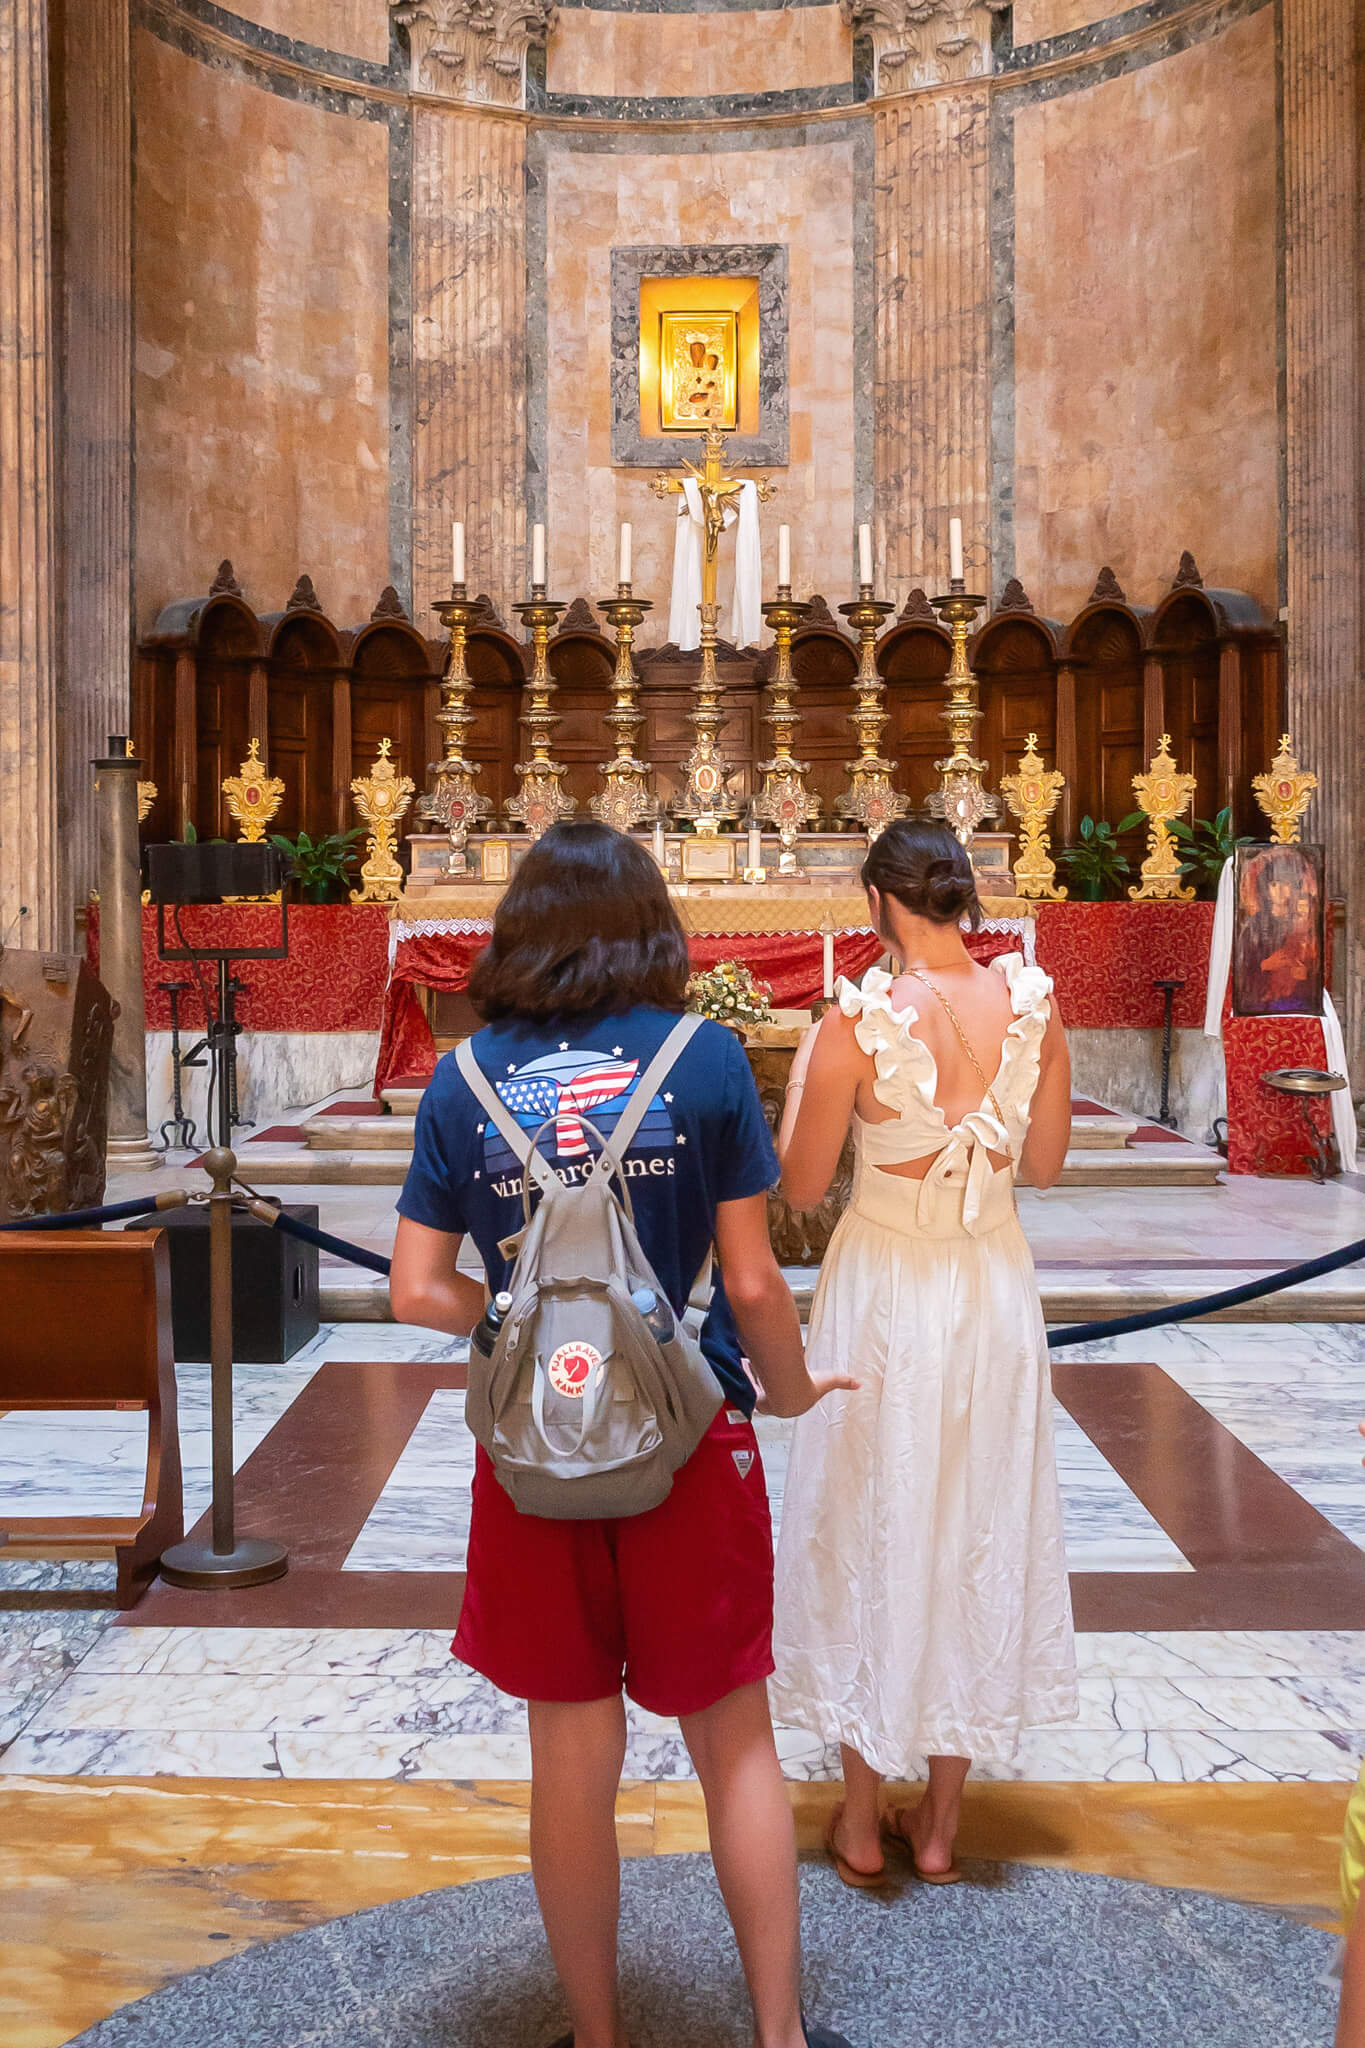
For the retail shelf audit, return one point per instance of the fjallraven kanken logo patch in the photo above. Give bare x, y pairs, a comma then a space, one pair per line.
571, 1369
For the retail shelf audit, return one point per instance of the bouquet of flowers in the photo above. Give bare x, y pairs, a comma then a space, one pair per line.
729, 994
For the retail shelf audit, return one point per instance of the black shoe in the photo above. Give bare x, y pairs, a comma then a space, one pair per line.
823, 2037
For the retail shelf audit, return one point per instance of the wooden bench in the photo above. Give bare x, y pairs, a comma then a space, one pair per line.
85, 1323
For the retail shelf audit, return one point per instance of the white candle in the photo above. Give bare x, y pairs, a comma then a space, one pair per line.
457, 551
955, 549
864, 554
829, 936
659, 842
537, 557
784, 557
624, 575
755, 846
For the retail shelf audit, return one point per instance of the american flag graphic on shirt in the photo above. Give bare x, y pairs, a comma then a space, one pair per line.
566, 1087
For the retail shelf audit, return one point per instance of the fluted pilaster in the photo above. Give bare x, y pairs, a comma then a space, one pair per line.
1326, 696
94, 235
933, 334
469, 350
31, 908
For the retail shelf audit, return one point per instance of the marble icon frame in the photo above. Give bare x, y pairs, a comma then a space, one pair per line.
765, 260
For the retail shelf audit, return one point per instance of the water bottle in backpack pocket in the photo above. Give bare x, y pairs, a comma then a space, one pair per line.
594, 1393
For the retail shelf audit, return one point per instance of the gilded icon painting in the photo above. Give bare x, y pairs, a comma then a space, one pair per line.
699, 371
1278, 932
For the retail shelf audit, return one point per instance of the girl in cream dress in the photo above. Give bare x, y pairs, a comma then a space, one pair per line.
923, 1612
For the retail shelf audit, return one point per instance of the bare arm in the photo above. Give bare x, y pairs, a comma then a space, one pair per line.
424, 1286
764, 1310
824, 1082
1049, 1131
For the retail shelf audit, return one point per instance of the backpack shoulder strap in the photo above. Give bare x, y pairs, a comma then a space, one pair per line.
486, 1095
648, 1086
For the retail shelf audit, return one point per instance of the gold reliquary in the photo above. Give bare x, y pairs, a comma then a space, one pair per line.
698, 371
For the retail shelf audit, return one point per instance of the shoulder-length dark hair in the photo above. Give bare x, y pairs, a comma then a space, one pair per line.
586, 926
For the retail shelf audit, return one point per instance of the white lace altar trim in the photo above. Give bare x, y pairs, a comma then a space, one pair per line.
1024, 928
434, 928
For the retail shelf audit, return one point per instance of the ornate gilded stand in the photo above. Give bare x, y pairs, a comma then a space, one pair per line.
1032, 795
961, 801
540, 802
253, 797
1283, 793
455, 801
784, 799
705, 798
626, 800
381, 797
1163, 793
869, 800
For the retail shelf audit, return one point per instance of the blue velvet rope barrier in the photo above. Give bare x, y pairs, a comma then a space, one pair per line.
1207, 1304
81, 1219
375, 1262
1075, 1333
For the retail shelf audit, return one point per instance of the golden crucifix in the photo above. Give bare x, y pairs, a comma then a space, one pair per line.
705, 798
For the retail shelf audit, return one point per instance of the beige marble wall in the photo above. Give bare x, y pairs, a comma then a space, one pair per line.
1145, 320
932, 336
261, 386
32, 909
1034, 20
597, 50
469, 351
357, 28
801, 196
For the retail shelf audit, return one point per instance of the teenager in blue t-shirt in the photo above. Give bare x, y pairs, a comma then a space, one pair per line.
584, 978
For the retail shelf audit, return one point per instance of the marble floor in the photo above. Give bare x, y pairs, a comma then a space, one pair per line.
1217, 1557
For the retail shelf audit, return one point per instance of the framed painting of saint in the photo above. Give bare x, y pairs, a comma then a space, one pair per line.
1278, 934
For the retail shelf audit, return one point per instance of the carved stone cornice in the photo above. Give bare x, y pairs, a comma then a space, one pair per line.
925, 42
473, 50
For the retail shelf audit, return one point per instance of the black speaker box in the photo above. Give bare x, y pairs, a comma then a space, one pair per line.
274, 1285
207, 870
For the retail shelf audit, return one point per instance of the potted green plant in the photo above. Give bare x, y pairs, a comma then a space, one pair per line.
1097, 868
319, 866
1207, 845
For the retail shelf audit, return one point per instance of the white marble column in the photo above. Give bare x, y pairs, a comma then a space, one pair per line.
32, 907
1323, 448
94, 233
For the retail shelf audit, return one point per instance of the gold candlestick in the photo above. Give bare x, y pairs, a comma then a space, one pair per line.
961, 801
626, 800
869, 800
784, 799
381, 797
455, 801
705, 798
539, 801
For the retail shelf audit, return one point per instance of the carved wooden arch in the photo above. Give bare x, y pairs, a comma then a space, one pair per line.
308, 720
824, 662
394, 695
582, 660
1100, 714
913, 656
1015, 657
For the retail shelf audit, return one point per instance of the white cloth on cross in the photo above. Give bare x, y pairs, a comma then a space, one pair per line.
746, 609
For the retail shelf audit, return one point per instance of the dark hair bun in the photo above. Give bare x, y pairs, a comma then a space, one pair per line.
926, 868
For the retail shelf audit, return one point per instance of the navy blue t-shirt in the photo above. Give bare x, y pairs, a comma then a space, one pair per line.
704, 1139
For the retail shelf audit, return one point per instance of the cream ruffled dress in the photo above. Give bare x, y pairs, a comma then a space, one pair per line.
922, 1598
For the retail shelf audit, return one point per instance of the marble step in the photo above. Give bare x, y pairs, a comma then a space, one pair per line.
1101, 1133
1067, 1297
360, 1133
402, 1101
371, 1163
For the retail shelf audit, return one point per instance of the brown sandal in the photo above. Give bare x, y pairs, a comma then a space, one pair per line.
856, 1880
896, 1828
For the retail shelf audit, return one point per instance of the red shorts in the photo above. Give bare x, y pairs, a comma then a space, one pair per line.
676, 1604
